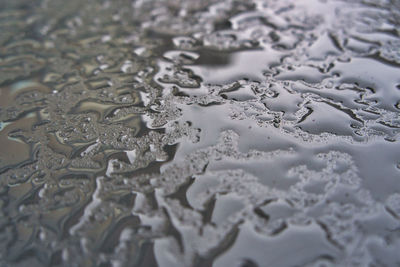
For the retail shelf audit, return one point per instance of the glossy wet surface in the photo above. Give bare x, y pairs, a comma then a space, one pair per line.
199, 133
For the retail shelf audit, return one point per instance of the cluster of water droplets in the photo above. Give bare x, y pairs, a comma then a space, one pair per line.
199, 133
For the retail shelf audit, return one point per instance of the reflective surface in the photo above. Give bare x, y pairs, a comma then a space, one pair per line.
199, 133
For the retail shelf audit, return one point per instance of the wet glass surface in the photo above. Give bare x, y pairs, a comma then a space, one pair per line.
199, 133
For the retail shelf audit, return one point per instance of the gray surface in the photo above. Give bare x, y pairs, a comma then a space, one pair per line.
199, 133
